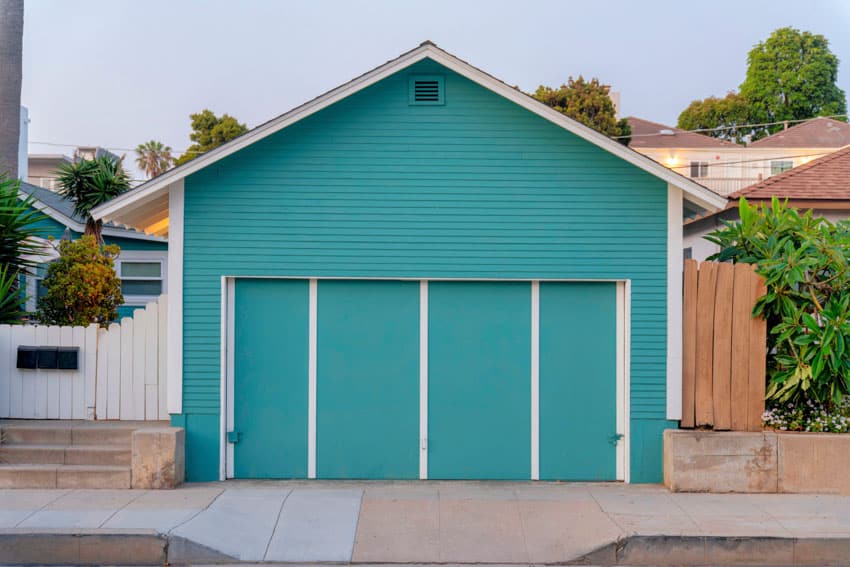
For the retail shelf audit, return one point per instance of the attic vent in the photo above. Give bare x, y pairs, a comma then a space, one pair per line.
427, 90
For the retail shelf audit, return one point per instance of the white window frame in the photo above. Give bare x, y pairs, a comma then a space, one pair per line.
783, 163
148, 256
702, 169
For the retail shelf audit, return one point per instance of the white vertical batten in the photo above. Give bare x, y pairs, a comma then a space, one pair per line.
674, 302
231, 377
621, 386
423, 379
627, 381
223, 312
535, 380
311, 379
175, 301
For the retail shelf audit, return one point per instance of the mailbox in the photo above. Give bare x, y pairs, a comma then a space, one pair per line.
27, 357
68, 358
48, 357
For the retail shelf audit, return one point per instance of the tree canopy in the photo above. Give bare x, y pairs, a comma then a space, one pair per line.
153, 158
89, 183
790, 76
210, 131
588, 102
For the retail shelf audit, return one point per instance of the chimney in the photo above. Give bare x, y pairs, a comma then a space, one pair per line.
615, 98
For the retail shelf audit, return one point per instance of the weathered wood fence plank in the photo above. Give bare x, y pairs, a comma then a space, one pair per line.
706, 286
689, 342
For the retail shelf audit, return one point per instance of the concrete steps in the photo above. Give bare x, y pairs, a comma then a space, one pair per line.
65, 455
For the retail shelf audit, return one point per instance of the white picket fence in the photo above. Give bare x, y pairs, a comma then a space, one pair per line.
122, 370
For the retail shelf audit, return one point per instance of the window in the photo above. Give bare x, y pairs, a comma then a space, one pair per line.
140, 278
699, 169
777, 167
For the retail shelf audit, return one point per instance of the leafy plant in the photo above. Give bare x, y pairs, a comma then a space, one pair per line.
89, 183
18, 228
11, 298
590, 103
153, 158
82, 286
804, 260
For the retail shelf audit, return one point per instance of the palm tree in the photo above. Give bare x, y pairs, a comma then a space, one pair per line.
89, 183
11, 38
154, 158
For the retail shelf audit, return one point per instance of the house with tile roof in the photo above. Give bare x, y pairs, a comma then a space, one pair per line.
142, 263
821, 185
726, 167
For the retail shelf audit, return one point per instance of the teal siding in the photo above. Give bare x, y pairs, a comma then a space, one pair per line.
270, 378
479, 380
476, 188
367, 422
578, 381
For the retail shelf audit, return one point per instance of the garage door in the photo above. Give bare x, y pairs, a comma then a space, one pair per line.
475, 365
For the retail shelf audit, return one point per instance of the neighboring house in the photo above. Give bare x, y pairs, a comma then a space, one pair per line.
726, 167
142, 264
43, 167
417, 275
822, 185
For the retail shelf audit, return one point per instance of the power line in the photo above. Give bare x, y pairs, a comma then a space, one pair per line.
56, 144
733, 127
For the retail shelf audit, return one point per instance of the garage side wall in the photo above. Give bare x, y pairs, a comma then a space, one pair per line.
373, 186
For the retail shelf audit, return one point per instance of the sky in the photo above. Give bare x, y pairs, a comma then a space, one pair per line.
118, 73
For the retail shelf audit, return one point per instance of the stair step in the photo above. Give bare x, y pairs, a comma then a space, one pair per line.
63, 476
105, 434
65, 455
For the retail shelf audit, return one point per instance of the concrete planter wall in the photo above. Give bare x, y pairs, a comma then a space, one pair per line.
768, 461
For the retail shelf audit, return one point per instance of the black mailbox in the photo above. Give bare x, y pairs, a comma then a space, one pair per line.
27, 357
68, 358
48, 357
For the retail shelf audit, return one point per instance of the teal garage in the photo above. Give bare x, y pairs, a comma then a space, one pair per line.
422, 274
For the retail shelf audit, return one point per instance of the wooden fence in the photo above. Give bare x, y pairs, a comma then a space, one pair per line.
121, 374
724, 353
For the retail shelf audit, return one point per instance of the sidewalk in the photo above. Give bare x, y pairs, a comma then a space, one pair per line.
436, 522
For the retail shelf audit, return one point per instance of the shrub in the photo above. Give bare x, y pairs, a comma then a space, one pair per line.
804, 260
82, 286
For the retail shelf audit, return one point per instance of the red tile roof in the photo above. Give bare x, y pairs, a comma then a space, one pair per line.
816, 133
826, 178
647, 134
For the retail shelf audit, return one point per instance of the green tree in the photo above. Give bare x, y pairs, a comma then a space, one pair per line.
89, 183
153, 158
730, 112
792, 76
805, 261
210, 131
82, 286
19, 250
588, 102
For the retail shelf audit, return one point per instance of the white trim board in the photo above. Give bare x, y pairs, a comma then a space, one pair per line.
175, 304
675, 267
623, 291
700, 195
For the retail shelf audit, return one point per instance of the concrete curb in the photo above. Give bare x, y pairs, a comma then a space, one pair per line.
148, 547
727, 551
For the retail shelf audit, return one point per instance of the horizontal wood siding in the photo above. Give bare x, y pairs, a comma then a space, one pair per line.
374, 187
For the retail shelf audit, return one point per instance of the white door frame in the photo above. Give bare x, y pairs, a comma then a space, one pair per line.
623, 348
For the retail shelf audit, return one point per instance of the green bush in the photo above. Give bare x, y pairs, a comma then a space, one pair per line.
804, 260
82, 286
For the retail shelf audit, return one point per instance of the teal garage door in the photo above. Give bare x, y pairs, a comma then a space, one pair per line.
578, 384
270, 378
367, 423
479, 380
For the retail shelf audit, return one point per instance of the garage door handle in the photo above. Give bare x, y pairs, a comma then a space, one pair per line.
614, 439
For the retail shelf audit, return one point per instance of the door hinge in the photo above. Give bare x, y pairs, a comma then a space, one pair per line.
423, 443
233, 436
615, 439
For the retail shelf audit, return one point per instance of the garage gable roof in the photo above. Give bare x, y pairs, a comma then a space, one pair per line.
154, 188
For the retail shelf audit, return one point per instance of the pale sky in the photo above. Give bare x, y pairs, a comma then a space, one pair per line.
117, 73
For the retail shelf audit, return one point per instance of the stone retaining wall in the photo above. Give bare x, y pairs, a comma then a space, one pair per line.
766, 461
